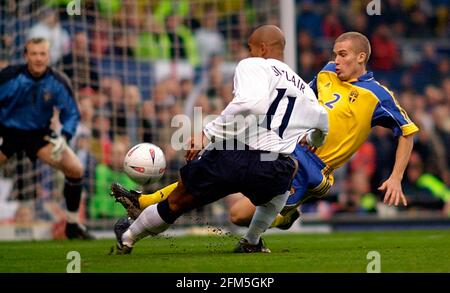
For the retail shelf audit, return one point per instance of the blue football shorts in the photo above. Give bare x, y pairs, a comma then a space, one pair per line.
313, 178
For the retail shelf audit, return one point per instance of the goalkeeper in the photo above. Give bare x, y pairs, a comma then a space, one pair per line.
29, 93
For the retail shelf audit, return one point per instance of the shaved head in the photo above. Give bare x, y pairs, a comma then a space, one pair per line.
269, 34
267, 41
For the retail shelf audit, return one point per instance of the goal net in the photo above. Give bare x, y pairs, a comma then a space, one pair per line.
133, 65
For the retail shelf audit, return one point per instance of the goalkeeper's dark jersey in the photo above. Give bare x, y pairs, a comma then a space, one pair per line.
27, 103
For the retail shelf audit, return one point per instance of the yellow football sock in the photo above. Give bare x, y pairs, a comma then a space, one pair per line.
146, 200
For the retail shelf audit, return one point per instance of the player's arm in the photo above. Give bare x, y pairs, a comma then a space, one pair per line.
392, 186
8, 86
388, 113
69, 115
69, 118
315, 137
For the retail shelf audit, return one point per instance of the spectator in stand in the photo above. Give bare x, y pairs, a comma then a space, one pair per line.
112, 88
442, 21
419, 24
122, 46
332, 26
306, 65
148, 121
210, 41
50, 29
385, 55
105, 174
306, 44
417, 194
165, 8
426, 73
443, 70
359, 24
308, 19
441, 118
102, 139
393, 12
151, 43
100, 37
446, 89
362, 169
356, 190
133, 101
79, 66
182, 41
364, 160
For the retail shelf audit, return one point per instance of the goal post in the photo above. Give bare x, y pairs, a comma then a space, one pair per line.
287, 17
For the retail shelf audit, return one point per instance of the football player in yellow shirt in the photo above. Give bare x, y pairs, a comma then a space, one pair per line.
355, 102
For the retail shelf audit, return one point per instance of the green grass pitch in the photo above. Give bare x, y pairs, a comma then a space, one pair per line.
400, 251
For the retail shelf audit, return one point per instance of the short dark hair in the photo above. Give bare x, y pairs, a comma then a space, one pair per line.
38, 40
361, 42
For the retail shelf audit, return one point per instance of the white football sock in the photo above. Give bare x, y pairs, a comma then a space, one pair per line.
264, 216
149, 222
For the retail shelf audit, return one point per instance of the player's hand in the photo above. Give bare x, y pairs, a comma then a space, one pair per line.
59, 145
196, 144
393, 192
303, 142
191, 154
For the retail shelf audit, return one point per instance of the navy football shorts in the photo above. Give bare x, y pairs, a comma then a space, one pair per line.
218, 173
15, 140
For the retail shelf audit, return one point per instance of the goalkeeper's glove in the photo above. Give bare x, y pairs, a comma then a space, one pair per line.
59, 145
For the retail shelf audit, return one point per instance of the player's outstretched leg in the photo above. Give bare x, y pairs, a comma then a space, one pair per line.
243, 246
158, 196
286, 218
128, 198
135, 202
120, 227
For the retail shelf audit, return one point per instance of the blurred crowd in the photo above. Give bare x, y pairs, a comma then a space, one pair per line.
410, 55
136, 64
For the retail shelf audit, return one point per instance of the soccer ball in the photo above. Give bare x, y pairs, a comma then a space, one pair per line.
145, 163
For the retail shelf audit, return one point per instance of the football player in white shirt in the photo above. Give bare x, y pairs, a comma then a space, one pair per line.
272, 110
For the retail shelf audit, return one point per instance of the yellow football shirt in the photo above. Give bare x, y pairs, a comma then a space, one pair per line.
354, 107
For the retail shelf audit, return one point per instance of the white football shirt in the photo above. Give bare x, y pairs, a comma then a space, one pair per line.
271, 109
